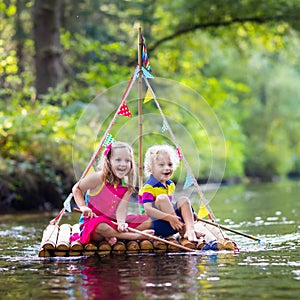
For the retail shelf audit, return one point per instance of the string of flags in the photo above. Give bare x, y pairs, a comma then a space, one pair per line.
145, 59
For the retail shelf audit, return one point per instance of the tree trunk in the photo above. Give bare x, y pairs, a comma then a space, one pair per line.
48, 49
19, 37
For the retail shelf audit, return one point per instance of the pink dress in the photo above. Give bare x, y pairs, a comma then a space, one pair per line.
104, 204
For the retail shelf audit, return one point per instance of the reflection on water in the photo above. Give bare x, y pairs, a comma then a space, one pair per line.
269, 270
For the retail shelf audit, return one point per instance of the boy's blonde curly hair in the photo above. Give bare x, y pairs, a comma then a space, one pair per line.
151, 155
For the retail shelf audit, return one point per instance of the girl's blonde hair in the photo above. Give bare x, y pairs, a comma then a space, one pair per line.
105, 166
152, 153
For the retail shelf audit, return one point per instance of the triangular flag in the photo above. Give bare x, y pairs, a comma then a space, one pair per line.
203, 212
148, 96
124, 111
145, 74
109, 139
145, 59
180, 155
164, 127
188, 181
67, 203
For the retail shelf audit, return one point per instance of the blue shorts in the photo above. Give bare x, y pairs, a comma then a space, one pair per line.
163, 228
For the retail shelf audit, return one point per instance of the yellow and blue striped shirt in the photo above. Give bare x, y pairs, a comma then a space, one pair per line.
152, 188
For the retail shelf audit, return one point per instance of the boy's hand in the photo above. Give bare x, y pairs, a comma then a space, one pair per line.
175, 222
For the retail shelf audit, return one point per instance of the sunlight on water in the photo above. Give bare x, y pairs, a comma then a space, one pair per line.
266, 270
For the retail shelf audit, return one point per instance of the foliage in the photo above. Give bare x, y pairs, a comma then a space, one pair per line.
36, 142
240, 56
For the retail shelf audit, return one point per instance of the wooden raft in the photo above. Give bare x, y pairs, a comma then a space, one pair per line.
55, 242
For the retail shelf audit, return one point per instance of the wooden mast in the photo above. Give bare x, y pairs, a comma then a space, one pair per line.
140, 119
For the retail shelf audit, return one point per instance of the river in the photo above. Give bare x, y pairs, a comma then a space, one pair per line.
269, 270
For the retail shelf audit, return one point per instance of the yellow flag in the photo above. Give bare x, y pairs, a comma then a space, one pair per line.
203, 212
148, 96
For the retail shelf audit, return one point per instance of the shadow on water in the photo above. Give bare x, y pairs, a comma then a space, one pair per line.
269, 270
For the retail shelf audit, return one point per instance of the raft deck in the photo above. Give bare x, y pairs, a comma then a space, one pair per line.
56, 243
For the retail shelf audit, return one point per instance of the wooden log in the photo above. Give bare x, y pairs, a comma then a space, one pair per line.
159, 246
146, 246
173, 248
186, 243
228, 244
133, 246
200, 244
104, 246
119, 248
60, 253
90, 247
75, 253
88, 253
63, 239
49, 237
76, 245
44, 253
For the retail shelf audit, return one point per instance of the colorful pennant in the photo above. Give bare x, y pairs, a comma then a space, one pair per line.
145, 59
188, 181
203, 212
146, 74
109, 139
180, 155
164, 127
149, 96
124, 111
67, 203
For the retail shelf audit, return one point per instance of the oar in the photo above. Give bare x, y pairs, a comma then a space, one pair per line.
151, 236
229, 229
159, 239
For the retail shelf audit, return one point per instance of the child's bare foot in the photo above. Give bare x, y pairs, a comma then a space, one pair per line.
199, 234
191, 236
147, 232
111, 240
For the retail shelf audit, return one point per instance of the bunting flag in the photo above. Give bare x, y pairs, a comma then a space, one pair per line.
188, 181
146, 74
145, 59
148, 96
203, 212
164, 127
109, 139
67, 203
124, 111
180, 155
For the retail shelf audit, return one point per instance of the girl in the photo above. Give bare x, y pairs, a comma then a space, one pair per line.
108, 193
155, 197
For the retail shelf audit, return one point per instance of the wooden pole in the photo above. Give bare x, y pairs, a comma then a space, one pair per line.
231, 230
140, 112
159, 239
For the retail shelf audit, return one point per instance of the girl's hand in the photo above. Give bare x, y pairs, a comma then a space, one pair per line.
87, 212
122, 227
176, 222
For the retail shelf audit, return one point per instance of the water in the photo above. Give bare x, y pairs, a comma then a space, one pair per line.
269, 270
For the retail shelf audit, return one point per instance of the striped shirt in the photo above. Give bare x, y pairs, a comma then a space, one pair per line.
152, 188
